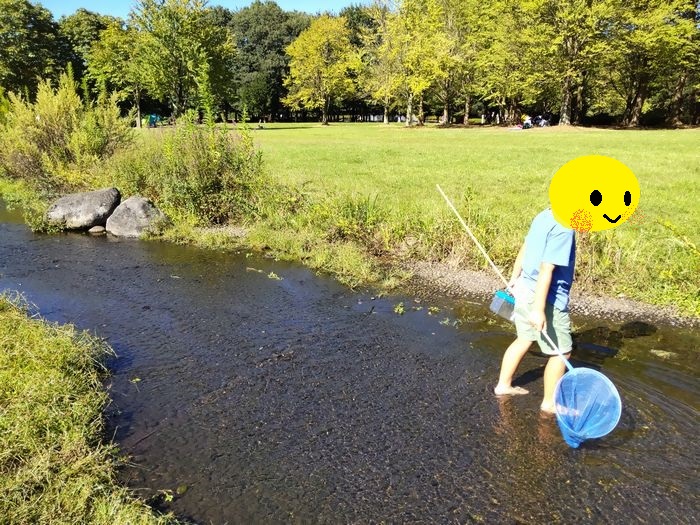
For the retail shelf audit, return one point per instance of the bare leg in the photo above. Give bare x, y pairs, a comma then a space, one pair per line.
552, 373
511, 359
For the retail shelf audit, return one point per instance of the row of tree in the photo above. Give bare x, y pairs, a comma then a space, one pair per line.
568, 58
575, 60
169, 55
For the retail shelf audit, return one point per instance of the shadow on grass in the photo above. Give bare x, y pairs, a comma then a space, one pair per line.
255, 127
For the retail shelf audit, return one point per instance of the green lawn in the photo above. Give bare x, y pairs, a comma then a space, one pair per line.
508, 170
499, 178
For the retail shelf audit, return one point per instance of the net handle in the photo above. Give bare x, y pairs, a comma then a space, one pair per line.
556, 348
498, 272
478, 244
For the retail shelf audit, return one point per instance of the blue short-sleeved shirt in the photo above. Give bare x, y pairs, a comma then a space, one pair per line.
548, 241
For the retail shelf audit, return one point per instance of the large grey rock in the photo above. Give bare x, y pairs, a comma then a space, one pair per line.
135, 216
81, 211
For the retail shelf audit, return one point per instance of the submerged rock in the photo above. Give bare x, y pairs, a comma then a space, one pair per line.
81, 211
134, 217
663, 354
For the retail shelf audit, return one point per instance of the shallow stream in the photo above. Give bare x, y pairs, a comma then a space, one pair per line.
256, 391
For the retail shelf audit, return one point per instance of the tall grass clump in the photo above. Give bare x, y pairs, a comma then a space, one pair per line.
54, 466
197, 174
51, 145
53, 142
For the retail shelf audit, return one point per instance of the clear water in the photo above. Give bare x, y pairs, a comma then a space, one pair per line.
298, 400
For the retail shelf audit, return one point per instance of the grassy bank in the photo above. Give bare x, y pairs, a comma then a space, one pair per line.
54, 466
359, 200
499, 179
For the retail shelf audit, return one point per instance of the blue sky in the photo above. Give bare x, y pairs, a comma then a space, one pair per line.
122, 7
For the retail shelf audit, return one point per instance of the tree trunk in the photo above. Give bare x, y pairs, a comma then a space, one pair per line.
137, 100
467, 107
637, 104
445, 121
676, 112
326, 108
565, 113
386, 114
578, 108
409, 110
421, 114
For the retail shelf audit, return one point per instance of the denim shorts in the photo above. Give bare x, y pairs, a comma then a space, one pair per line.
558, 326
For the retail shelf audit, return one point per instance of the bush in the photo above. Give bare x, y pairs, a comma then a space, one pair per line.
201, 175
52, 142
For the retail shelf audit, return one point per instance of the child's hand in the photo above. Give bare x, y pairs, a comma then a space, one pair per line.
538, 320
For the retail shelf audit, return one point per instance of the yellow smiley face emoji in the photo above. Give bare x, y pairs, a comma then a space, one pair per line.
593, 193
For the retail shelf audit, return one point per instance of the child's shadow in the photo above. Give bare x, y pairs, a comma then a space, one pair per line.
529, 377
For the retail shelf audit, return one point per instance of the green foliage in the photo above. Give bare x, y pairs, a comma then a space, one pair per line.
321, 60
199, 175
114, 61
175, 39
81, 30
31, 45
262, 31
4, 105
53, 467
54, 141
379, 64
33, 204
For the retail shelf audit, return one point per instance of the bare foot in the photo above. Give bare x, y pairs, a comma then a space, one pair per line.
548, 408
509, 390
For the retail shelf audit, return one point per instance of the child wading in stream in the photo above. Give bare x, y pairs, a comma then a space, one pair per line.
542, 277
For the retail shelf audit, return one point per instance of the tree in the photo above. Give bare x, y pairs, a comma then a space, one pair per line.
321, 59
654, 44
359, 20
30, 46
458, 24
263, 31
176, 39
380, 68
579, 35
685, 76
81, 30
418, 48
113, 60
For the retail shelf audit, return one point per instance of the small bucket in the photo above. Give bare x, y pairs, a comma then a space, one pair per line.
503, 305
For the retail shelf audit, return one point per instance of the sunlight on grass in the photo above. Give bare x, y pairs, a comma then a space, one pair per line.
499, 178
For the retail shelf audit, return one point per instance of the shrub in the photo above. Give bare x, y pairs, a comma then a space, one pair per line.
52, 142
199, 175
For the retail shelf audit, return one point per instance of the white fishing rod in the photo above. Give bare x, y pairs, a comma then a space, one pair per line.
476, 241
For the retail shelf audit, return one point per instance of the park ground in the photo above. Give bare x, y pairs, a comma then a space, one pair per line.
499, 180
375, 186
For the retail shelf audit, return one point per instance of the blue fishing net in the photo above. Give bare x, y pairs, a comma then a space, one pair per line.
587, 405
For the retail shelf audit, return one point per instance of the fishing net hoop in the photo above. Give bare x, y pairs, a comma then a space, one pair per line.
566, 414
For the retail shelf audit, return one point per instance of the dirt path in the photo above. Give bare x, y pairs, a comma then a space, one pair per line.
450, 280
